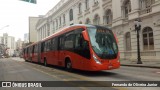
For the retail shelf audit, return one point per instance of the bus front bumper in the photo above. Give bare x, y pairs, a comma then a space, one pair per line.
108, 66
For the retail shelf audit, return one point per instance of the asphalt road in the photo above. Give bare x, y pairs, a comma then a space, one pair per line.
16, 69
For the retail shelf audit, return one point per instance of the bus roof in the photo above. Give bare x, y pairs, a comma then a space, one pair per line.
66, 29
70, 28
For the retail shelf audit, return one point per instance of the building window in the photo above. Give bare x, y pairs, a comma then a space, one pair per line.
87, 4
96, 20
53, 26
71, 24
71, 14
108, 17
80, 22
128, 41
96, 2
64, 19
146, 5
127, 8
48, 29
60, 21
80, 7
88, 21
56, 24
148, 39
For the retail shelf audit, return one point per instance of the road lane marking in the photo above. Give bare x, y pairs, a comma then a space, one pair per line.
58, 78
18, 71
75, 75
158, 72
18, 59
46, 73
34, 66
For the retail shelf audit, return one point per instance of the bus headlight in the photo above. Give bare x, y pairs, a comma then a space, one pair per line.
96, 60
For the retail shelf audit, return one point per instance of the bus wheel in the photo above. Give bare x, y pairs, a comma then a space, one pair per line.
68, 65
45, 62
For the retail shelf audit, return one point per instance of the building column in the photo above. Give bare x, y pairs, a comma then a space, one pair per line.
135, 8
38, 35
116, 9
156, 6
41, 34
44, 32
50, 27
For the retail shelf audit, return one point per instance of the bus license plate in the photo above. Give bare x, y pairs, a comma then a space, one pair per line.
110, 65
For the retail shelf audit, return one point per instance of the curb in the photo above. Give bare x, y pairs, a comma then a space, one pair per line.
130, 65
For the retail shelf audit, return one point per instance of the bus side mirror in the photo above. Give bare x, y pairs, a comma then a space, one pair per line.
85, 36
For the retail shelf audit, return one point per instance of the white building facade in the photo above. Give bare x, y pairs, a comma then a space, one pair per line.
26, 38
32, 29
9, 43
117, 14
19, 44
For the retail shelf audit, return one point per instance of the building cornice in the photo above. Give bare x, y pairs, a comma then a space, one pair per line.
66, 4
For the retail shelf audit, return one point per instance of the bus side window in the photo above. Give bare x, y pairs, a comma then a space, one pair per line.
54, 44
61, 43
42, 47
69, 42
27, 50
49, 45
24, 50
33, 49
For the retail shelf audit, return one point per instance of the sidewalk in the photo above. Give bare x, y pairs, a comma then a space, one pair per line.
130, 63
17, 59
148, 64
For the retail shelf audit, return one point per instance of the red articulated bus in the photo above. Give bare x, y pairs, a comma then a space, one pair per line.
83, 47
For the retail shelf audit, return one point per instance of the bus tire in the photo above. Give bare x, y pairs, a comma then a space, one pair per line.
45, 62
68, 65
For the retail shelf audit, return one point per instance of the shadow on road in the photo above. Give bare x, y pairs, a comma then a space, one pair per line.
81, 72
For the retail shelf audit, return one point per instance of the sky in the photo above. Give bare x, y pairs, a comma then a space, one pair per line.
14, 15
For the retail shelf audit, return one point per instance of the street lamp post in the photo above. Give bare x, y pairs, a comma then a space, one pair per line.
137, 23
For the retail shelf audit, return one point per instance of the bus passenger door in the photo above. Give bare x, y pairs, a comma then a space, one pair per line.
54, 51
80, 49
61, 53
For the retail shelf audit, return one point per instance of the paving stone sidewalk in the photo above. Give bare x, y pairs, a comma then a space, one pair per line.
149, 64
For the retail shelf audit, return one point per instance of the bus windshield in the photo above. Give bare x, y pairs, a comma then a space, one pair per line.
103, 42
